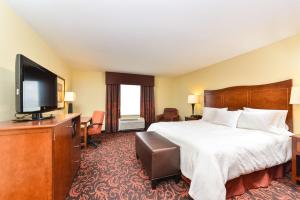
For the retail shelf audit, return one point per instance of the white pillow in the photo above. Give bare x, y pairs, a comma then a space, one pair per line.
227, 118
280, 114
264, 121
259, 121
209, 113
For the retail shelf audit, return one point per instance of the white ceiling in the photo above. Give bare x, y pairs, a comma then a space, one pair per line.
160, 37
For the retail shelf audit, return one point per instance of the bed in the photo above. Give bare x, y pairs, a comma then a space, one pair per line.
213, 156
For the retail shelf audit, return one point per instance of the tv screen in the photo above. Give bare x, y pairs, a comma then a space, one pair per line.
36, 87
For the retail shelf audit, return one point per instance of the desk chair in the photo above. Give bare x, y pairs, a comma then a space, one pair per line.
95, 128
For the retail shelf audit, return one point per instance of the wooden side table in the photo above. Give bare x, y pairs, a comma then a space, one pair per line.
193, 117
84, 122
296, 158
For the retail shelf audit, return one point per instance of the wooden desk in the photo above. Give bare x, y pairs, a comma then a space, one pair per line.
84, 121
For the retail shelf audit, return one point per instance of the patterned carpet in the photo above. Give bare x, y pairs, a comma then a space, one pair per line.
112, 172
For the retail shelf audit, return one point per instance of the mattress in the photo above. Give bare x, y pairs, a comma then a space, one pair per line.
213, 154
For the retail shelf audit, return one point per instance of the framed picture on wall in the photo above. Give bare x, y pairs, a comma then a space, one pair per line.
60, 92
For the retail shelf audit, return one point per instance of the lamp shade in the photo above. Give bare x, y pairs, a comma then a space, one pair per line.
193, 99
70, 96
295, 95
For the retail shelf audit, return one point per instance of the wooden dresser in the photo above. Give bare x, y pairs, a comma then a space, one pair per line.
38, 160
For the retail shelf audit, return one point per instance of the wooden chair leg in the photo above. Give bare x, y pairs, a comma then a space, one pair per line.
177, 179
153, 184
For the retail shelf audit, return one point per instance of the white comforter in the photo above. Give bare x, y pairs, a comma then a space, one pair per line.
213, 154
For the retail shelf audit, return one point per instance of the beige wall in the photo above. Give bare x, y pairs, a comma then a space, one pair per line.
163, 93
89, 87
90, 90
17, 37
277, 62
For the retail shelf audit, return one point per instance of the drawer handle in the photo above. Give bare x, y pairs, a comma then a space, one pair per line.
77, 146
69, 126
76, 161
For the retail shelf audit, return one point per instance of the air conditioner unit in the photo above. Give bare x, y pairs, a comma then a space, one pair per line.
131, 124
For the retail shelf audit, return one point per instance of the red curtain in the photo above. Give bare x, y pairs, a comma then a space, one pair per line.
112, 107
147, 104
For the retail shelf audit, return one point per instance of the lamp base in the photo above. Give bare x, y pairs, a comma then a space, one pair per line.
193, 108
70, 108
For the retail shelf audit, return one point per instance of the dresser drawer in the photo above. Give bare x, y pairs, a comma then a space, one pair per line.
76, 159
76, 152
76, 147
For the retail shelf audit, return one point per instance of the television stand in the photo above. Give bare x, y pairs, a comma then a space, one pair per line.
39, 116
40, 157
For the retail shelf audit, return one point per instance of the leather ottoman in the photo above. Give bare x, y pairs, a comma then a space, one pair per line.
159, 156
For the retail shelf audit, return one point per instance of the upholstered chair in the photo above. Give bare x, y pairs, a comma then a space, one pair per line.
95, 128
170, 114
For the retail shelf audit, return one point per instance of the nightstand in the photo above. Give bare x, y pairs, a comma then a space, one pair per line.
193, 117
296, 158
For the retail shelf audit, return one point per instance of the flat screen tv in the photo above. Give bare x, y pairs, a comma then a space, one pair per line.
36, 88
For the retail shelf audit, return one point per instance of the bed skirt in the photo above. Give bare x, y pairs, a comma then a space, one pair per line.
262, 178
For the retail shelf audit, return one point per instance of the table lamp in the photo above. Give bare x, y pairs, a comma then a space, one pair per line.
69, 98
193, 99
295, 95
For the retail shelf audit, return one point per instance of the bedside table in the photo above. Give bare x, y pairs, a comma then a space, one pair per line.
296, 158
193, 117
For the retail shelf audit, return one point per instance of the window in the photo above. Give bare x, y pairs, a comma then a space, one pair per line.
130, 99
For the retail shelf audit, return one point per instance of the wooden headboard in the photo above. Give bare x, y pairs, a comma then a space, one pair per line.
268, 96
